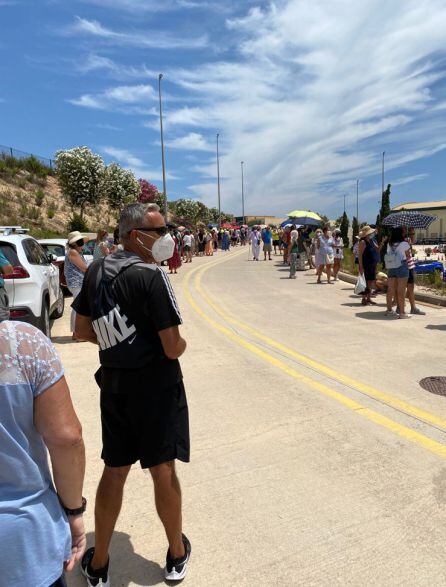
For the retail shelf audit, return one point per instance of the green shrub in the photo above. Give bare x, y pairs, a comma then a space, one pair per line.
34, 213
33, 165
77, 223
21, 182
39, 197
51, 211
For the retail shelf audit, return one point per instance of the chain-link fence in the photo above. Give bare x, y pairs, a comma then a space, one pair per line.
10, 151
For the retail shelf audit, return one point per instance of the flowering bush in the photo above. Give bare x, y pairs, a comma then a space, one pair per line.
148, 193
79, 172
118, 186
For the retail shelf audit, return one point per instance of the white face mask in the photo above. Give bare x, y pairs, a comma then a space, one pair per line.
162, 248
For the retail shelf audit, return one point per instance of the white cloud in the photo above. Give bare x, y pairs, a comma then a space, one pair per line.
147, 6
126, 99
317, 92
95, 62
190, 142
136, 164
154, 40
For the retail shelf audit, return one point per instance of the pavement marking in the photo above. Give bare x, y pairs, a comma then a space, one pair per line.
403, 431
368, 390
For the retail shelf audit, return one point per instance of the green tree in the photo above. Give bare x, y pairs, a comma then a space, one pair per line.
118, 186
214, 215
344, 225
203, 213
79, 172
225, 217
355, 228
187, 209
385, 206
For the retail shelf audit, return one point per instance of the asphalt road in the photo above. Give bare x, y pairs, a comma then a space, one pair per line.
317, 458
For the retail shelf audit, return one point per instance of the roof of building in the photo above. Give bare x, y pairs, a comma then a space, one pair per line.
421, 205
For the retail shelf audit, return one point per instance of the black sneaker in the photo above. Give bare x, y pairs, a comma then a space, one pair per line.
97, 577
176, 568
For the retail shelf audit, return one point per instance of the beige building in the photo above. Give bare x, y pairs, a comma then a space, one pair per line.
261, 219
438, 228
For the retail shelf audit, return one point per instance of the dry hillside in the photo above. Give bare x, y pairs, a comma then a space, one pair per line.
36, 203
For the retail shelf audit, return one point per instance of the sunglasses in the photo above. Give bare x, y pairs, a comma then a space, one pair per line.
161, 230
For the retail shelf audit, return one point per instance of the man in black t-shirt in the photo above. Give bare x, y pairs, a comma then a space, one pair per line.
127, 307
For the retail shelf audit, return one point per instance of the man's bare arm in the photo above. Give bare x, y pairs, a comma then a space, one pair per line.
173, 344
83, 329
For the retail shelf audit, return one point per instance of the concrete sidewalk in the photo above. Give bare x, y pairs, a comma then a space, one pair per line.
286, 486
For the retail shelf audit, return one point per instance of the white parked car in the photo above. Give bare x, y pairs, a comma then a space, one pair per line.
57, 248
34, 291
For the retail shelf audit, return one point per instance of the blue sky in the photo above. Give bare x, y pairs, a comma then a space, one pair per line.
307, 94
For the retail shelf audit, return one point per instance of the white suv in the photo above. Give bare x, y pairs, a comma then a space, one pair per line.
33, 288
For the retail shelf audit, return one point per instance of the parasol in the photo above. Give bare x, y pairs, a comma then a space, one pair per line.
304, 217
409, 218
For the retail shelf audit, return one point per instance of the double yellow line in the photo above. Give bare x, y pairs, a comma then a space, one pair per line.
385, 398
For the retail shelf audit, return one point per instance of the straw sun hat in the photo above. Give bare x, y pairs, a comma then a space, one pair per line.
366, 231
73, 237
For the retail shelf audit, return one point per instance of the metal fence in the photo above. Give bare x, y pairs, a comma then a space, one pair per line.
10, 151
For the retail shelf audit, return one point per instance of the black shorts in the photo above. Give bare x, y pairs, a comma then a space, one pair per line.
370, 272
148, 425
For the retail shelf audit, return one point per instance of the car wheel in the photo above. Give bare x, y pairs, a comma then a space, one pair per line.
44, 322
58, 312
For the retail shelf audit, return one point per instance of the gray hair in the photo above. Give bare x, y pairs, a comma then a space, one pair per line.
132, 216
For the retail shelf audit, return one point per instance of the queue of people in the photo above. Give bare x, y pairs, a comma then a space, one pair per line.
324, 251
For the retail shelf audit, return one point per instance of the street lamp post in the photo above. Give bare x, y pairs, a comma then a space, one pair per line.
160, 77
243, 193
382, 175
218, 184
357, 200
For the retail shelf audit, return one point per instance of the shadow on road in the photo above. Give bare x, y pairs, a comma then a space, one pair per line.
436, 327
62, 340
126, 567
371, 315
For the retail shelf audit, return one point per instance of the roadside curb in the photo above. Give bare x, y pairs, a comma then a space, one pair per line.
420, 297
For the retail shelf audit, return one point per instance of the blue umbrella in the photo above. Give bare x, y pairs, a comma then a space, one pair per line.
409, 218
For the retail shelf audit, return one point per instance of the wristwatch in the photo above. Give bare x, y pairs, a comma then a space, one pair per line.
76, 511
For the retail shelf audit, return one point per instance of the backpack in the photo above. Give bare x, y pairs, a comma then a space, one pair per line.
392, 258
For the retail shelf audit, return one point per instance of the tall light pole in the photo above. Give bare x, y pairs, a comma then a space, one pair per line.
243, 193
160, 77
218, 184
357, 200
382, 175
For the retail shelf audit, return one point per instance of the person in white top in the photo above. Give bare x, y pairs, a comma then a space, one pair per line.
187, 246
397, 259
338, 249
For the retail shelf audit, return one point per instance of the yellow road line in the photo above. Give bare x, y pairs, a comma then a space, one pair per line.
403, 431
387, 398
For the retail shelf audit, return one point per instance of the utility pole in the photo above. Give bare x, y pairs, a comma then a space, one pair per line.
160, 77
243, 193
218, 184
357, 201
382, 175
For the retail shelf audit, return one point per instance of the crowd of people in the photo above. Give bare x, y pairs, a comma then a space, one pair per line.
323, 250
